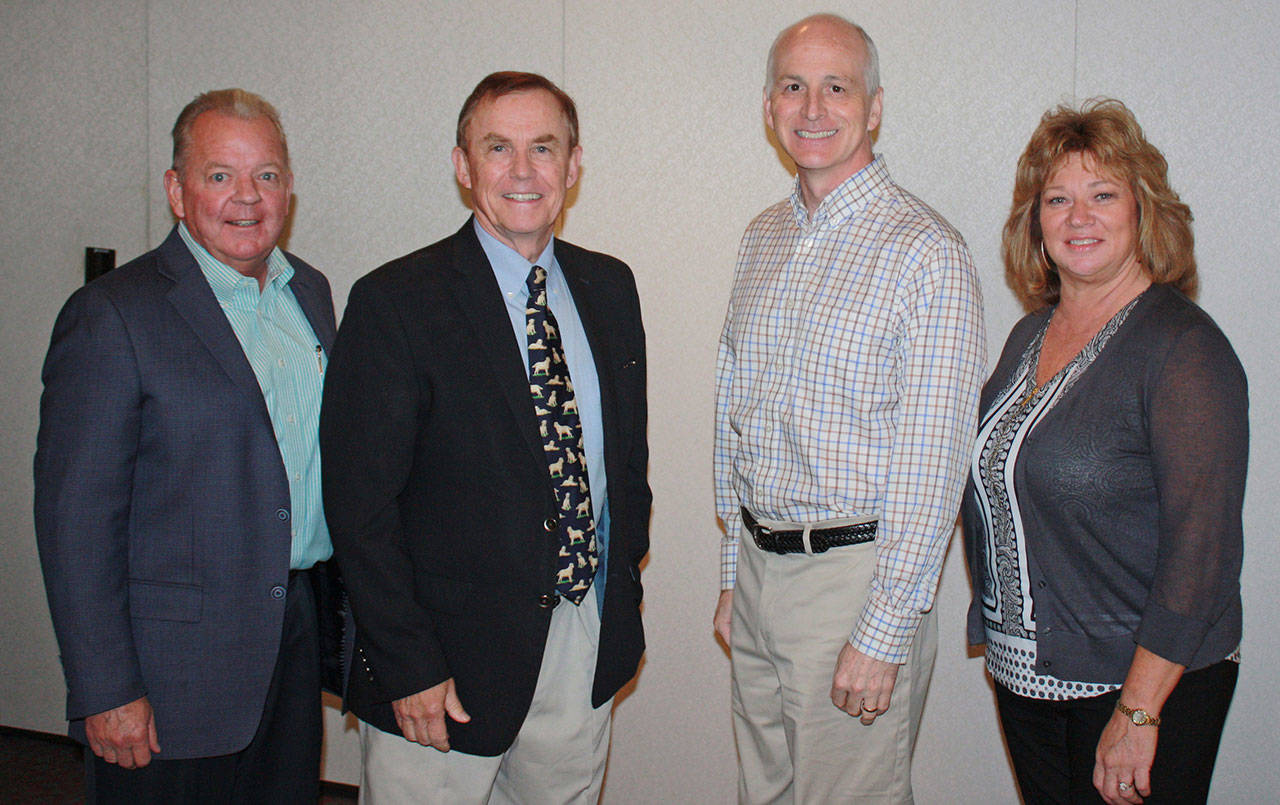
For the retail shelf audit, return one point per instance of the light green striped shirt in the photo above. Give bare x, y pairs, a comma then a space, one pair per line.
289, 363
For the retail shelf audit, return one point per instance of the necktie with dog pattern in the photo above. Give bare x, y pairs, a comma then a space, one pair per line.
558, 422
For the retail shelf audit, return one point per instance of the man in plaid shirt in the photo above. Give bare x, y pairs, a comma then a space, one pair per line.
846, 399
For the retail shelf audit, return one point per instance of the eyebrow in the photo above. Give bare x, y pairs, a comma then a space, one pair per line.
1094, 183
841, 79
491, 138
222, 166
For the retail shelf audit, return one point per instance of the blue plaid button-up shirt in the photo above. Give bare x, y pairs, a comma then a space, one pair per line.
847, 384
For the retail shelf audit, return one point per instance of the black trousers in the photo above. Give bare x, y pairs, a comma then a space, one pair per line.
281, 764
1052, 743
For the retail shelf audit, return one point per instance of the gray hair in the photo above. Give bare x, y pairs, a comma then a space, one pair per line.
870, 67
239, 103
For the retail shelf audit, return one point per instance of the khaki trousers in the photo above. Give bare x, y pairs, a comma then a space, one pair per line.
558, 757
792, 614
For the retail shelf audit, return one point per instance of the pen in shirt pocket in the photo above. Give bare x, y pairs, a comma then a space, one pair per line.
320, 359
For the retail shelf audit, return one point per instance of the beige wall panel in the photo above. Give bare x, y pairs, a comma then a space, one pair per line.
1203, 83
676, 164
72, 151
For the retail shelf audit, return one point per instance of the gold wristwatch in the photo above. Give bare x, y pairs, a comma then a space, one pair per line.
1139, 717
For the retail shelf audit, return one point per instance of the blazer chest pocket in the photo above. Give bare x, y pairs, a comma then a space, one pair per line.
151, 600
629, 378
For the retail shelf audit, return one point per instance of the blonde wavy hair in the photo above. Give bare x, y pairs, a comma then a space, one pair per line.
1106, 131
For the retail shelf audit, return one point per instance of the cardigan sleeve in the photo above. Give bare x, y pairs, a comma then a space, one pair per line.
1197, 411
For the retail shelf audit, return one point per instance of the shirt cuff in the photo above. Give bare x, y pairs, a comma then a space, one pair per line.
884, 635
1174, 637
728, 562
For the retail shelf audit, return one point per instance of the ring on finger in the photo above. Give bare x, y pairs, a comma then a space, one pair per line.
1125, 786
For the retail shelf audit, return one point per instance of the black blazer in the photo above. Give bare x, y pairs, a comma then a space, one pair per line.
436, 486
162, 504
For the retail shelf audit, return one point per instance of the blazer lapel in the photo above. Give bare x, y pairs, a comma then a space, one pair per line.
194, 301
480, 299
592, 301
316, 306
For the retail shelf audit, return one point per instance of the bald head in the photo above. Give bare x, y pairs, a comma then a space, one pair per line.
835, 28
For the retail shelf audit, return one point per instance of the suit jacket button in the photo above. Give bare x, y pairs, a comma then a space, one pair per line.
548, 600
550, 523
277, 592
282, 514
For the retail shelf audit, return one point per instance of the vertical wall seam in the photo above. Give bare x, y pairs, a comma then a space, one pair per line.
1075, 55
146, 123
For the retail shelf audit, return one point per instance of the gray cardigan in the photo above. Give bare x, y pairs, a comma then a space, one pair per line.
1131, 489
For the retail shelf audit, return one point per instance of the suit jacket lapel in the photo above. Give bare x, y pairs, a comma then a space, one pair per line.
480, 299
316, 306
194, 301
591, 299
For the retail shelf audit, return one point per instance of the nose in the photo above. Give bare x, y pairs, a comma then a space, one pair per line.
521, 164
814, 104
246, 190
1080, 215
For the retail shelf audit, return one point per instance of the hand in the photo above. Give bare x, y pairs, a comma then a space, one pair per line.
125, 735
1124, 755
421, 717
862, 686
723, 619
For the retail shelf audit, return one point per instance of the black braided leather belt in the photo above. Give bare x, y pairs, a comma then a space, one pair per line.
820, 539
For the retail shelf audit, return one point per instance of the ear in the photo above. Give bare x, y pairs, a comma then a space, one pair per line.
461, 169
173, 191
877, 107
575, 165
768, 109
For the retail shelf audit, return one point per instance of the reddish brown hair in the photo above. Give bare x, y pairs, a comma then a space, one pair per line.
495, 85
1106, 131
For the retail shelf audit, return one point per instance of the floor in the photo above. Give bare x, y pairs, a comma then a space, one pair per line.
36, 767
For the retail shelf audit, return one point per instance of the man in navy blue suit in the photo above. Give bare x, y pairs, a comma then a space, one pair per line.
178, 507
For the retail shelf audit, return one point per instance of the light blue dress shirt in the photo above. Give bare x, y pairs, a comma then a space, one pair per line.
511, 270
289, 363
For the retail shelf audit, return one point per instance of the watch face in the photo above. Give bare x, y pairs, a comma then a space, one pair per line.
1137, 715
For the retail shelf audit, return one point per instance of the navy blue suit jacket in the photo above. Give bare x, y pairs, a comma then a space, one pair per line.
437, 491
162, 504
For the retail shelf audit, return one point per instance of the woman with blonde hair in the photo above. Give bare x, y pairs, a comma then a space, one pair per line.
1103, 513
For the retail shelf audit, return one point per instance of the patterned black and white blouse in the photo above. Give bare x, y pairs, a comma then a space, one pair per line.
1008, 599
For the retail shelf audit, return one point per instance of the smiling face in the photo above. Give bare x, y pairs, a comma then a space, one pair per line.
818, 107
518, 166
234, 190
1089, 221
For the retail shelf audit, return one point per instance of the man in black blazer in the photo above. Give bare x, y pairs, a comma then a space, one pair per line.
483, 636
177, 491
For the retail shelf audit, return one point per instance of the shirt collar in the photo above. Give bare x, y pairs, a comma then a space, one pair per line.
223, 279
846, 199
510, 267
